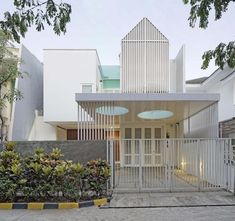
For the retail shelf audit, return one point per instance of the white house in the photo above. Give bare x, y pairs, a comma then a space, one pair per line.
145, 68
152, 87
160, 133
222, 82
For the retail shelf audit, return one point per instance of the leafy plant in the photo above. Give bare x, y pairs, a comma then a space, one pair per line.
201, 10
28, 13
96, 175
10, 173
46, 177
9, 72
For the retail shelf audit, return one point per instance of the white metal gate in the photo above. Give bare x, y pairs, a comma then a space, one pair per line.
171, 164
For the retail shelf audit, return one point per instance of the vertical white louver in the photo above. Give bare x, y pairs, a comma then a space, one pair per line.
203, 124
93, 125
145, 60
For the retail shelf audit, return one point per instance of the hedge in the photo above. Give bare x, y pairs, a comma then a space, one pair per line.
46, 177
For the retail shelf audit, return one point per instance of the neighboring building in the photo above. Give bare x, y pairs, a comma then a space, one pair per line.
222, 82
22, 112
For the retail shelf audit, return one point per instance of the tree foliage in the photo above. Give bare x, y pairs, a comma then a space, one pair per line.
200, 10
36, 13
15, 24
8, 74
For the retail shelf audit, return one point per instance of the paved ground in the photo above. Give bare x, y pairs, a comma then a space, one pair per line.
202, 213
172, 199
153, 177
92, 214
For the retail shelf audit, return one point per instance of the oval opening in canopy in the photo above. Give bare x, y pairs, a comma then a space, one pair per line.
111, 110
155, 114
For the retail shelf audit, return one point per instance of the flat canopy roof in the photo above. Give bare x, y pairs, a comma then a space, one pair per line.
182, 105
146, 97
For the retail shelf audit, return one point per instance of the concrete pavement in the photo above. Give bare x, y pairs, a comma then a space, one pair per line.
152, 199
93, 214
220, 206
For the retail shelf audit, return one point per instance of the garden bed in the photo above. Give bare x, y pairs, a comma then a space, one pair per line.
45, 177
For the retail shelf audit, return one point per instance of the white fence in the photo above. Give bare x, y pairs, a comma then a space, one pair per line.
171, 164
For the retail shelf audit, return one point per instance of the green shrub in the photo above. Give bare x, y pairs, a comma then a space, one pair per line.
46, 177
95, 178
10, 173
49, 177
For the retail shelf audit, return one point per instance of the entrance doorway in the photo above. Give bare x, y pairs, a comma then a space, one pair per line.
149, 150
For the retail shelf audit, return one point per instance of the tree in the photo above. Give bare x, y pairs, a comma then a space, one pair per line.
8, 74
36, 13
27, 13
200, 9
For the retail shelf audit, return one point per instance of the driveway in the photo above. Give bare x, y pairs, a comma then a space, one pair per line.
209, 206
92, 213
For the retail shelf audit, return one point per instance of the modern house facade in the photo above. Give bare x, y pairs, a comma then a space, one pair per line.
150, 85
145, 68
144, 52
159, 136
161, 133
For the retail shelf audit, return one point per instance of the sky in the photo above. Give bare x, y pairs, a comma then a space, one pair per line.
101, 24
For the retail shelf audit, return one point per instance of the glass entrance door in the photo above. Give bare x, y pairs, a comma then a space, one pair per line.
148, 149
127, 147
144, 138
137, 146
152, 150
158, 147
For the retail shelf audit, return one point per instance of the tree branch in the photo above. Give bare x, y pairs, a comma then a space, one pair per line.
200, 9
25, 15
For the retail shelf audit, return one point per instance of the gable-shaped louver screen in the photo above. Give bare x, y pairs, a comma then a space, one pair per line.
145, 60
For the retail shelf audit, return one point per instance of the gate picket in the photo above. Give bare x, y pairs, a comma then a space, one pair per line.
179, 164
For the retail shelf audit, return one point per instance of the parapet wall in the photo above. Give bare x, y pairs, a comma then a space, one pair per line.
78, 151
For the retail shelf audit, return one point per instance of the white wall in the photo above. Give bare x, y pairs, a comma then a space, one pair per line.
194, 88
32, 89
227, 94
64, 72
41, 130
177, 72
203, 124
172, 76
61, 134
223, 83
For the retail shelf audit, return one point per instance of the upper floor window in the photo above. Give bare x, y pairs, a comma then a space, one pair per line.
87, 88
